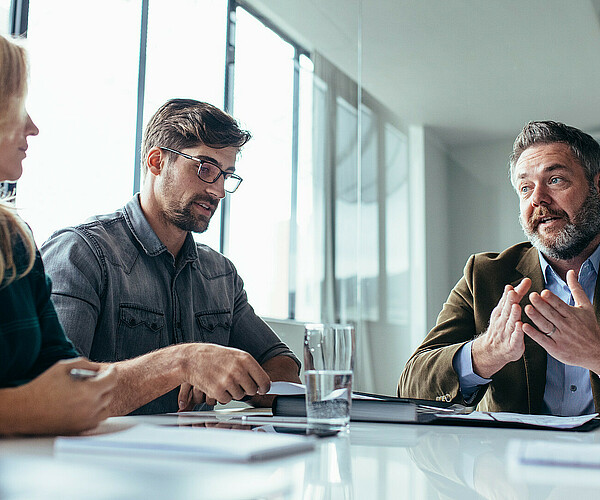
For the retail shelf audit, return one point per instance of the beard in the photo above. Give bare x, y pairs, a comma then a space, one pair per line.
574, 237
182, 214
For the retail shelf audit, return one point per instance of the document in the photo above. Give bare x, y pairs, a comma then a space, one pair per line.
549, 421
193, 443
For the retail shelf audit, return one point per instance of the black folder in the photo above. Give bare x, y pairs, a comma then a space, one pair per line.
416, 411
379, 409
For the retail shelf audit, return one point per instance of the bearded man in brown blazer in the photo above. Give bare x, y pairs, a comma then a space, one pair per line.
519, 332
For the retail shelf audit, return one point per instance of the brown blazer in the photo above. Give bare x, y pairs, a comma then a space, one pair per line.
519, 386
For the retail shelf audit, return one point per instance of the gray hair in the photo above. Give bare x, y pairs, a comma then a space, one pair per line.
583, 146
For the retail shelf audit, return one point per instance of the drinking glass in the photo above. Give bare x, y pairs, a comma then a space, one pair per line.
328, 364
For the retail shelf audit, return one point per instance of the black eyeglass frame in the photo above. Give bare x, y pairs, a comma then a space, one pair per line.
226, 175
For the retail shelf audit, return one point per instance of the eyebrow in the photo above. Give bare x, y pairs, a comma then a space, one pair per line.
212, 160
549, 168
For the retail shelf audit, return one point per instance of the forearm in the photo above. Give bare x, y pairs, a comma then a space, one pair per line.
143, 379
429, 374
16, 417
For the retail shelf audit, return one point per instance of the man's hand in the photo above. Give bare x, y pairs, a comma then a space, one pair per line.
570, 334
190, 396
221, 373
503, 340
277, 368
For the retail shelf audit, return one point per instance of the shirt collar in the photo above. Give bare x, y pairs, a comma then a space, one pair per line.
147, 238
549, 273
141, 229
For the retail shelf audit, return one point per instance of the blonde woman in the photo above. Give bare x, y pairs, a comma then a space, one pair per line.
38, 394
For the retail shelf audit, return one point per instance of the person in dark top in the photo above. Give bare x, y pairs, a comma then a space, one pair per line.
37, 393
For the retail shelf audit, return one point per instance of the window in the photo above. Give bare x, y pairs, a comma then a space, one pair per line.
315, 233
82, 96
185, 61
397, 226
260, 209
4, 17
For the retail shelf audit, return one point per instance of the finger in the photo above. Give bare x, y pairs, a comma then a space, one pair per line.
248, 385
507, 311
550, 306
541, 338
236, 391
185, 396
211, 401
260, 377
579, 296
522, 288
516, 338
198, 396
539, 320
497, 312
514, 317
223, 397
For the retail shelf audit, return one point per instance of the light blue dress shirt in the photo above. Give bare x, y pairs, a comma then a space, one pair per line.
568, 389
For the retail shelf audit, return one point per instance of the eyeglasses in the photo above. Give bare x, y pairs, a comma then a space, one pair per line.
209, 172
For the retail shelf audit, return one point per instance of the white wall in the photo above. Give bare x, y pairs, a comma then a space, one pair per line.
437, 225
482, 203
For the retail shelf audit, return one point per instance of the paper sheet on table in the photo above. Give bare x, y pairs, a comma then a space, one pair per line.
194, 443
292, 389
286, 389
549, 421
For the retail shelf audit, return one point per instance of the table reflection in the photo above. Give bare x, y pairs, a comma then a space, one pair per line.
329, 471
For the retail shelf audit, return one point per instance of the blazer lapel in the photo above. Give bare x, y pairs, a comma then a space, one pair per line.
535, 357
595, 381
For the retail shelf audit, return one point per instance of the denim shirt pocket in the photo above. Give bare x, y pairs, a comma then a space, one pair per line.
140, 331
214, 326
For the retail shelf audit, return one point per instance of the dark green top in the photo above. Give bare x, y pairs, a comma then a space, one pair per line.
31, 338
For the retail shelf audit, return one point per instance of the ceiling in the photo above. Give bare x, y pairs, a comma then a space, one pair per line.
472, 70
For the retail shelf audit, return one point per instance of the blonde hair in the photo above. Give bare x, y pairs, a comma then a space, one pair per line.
14, 233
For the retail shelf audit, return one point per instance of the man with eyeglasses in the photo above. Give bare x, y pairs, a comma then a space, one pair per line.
135, 288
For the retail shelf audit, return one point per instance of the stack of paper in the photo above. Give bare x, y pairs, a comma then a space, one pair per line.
194, 443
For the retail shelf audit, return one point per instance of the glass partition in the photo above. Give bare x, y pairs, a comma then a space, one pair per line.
381, 132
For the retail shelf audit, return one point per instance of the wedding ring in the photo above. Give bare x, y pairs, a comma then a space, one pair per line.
549, 334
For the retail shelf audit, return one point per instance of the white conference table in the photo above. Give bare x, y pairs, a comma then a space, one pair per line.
372, 461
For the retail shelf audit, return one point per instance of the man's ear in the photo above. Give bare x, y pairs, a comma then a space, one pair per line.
597, 181
154, 161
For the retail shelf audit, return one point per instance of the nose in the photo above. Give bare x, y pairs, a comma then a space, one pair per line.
217, 188
540, 196
30, 127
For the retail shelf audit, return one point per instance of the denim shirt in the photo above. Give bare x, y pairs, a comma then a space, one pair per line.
120, 293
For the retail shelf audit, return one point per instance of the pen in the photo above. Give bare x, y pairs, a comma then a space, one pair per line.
81, 374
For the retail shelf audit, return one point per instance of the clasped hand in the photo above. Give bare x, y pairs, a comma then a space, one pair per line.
503, 341
570, 334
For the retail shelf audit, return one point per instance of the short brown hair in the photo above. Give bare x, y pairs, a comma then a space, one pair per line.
184, 123
583, 146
